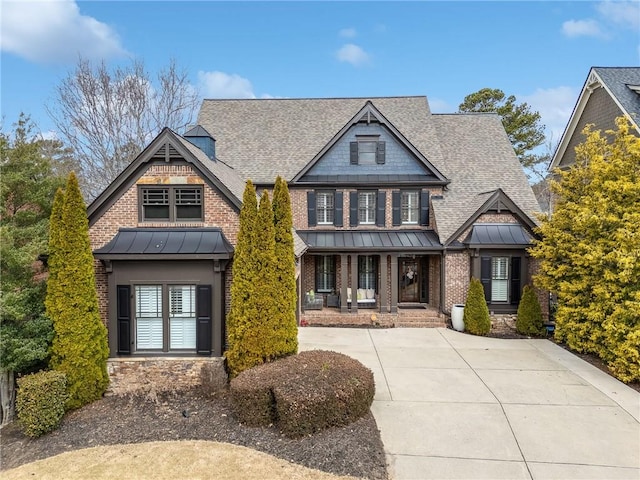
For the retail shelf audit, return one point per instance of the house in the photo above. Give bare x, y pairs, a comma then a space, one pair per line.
608, 93
394, 210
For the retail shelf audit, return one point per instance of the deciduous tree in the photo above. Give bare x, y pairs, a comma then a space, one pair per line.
590, 250
108, 115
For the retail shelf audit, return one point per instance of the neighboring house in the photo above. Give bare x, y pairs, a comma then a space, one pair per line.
608, 93
394, 208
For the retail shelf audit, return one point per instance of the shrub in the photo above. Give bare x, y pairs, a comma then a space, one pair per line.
305, 393
41, 401
476, 313
529, 321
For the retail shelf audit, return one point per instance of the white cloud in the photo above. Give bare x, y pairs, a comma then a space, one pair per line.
55, 32
353, 54
348, 32
625, 14
582, 28
223, 85
555, 106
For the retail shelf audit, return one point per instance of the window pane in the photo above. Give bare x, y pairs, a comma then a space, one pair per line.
410, 207
499, 279
182, 317
188, 203
367, 152
367, 272
367, 207
325, 273
325, 207
149, 317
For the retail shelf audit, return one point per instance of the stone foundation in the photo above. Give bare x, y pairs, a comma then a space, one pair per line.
503, 323
151, 376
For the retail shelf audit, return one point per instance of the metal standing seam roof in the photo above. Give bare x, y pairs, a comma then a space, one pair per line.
483, 234
371, 240
131, 243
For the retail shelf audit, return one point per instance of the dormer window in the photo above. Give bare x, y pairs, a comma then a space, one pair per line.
367, 150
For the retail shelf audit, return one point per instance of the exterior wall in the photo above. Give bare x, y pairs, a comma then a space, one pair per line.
124, 213
601, 110
397, 158
457, 278
299, 210
151, 376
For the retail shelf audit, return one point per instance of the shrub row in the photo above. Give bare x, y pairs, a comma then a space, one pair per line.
304, 393
40, 401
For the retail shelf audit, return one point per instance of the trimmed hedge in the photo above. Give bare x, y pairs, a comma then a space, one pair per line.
529, 321
476, 313
304, 393
40, 401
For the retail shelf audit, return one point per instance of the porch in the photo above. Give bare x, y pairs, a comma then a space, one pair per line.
423, 316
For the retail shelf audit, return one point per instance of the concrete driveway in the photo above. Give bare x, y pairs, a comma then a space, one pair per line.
452, 405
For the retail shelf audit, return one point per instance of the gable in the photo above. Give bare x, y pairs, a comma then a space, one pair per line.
369, 149
169, 150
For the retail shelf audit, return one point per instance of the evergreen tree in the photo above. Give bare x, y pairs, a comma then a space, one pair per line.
529, 321
589, 250
56, 258
287, 335
476, 313
79, 347
240, 338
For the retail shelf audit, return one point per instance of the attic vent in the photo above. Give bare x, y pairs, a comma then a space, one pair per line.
635, 88
368, 117
166, 153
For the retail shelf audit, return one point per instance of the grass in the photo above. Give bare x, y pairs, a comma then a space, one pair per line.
167, 460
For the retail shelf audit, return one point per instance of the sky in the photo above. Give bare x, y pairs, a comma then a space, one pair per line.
539, 51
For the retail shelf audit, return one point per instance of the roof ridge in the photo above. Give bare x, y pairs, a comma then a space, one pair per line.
297, 99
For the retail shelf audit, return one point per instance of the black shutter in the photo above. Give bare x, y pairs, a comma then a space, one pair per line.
353, 209
485, 276
353, 153
396, 198
515, 280
203, 315
424, 207
381, 205
124, 318
380, 153
338, 213
311, 209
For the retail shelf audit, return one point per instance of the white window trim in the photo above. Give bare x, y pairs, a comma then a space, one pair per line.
369, 208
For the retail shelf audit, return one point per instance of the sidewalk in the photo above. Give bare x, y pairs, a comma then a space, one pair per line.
452, 405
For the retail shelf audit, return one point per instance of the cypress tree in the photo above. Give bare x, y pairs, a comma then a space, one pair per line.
54, 261
287, 328
529, 321
80, 348
476, 313
242, 310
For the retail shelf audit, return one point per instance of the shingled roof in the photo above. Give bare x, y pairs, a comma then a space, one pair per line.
261, 139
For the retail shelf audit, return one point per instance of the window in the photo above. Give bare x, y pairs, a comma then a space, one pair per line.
366, 208
499, 279
410, 207
325, 208
367, 272
325, 273
151, 322
367, 150
171, 204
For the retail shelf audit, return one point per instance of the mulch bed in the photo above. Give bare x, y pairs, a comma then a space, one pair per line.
355, 449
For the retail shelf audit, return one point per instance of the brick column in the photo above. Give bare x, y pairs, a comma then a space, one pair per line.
384, 301
394, 283
344, 306
354, 283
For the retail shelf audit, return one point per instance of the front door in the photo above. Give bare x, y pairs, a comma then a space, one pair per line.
413, 280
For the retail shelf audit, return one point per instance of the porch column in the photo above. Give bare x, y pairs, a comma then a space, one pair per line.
394, 283
354, 283
344, 307
384, 298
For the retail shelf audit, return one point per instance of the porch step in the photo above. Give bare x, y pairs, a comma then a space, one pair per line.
421, 322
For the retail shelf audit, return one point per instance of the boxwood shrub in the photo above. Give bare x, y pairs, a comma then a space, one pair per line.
305, 393
40, 401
